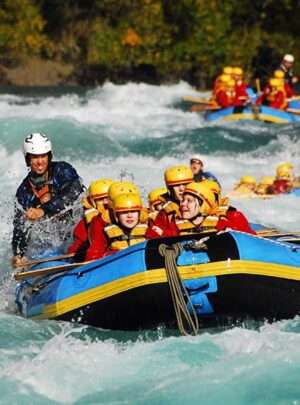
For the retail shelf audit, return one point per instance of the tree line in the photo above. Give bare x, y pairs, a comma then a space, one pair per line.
158, 41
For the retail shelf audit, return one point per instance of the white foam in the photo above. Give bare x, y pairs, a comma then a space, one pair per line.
66, 369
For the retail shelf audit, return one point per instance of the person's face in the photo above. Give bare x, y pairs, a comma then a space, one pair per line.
39, 163
178, 191
129, 219
249, 186
238, 78
189, 206
288, 65
196, 166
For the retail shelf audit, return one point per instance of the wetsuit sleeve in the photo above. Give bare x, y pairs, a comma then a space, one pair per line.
67, 187
98, 241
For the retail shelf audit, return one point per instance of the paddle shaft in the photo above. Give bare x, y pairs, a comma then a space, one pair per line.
277, 233
293, 111
48, 270
258, 87
46, 259
199, 100
196, 108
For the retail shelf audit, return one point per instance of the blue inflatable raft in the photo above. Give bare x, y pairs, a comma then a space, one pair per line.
258, 113
228, 276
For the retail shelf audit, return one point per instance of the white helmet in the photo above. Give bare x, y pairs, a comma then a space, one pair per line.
196, 157
37, 143
288, 58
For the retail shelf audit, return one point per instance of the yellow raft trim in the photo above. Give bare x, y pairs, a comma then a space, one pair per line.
157, 276
258, 117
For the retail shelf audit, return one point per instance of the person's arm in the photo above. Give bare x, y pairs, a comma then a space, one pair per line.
222, 99
242, 96
80, 235
235, 220
279, 101
161, 227
98, 241
67, 188
288, 90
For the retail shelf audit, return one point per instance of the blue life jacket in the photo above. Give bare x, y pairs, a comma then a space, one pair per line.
205, 176
65, 187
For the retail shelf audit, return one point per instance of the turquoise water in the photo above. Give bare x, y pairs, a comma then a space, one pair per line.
134, 132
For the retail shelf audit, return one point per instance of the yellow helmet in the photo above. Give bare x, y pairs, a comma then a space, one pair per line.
237, 71
247, 180
214, 187
156, 196
227, 70
122, 187
284, 170
224, 78
278, 74
274, 82
176, 175
230, 83
202, 192
127, 202
99, 188
267, 180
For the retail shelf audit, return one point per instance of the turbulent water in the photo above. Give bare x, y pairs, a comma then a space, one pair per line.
134, 132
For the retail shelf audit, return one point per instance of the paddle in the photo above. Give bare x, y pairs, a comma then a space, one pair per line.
22, 275
295, 111
258, 87
196, 108
294, 98
199, 100
267, 231
45, 260
276, 233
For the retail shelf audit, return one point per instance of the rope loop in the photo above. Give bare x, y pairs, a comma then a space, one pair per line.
179, 294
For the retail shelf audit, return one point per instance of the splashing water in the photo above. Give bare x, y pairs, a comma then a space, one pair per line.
135, 131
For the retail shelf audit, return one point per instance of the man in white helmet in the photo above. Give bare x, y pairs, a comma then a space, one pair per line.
199, 174
287, 67
49, 188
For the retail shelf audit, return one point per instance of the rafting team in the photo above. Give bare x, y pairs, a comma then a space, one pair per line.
231, 90
113, 213
283, 182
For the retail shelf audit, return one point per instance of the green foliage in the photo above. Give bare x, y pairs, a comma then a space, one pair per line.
191, 39
21, 29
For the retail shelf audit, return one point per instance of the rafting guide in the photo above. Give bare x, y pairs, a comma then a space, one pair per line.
45, 200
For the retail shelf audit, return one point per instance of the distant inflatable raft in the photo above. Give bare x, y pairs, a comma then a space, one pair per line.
257, 113
230, 276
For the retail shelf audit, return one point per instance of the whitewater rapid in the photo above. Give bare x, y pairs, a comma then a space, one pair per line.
134, 132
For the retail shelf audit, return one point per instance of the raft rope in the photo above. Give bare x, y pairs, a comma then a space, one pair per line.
179, 294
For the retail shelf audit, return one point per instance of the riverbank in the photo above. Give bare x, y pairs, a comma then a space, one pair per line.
36, 71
